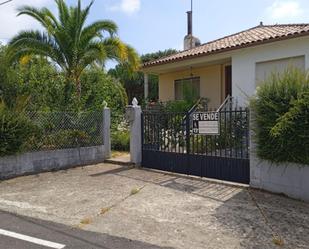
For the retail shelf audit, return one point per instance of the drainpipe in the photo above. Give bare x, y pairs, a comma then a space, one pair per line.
146, 86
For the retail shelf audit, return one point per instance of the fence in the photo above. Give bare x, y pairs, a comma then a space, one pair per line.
169, 144
63, 130
61, 140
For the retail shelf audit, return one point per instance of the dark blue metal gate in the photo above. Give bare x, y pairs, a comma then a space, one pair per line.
169, 144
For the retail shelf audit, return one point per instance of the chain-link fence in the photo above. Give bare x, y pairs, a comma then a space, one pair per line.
63, 130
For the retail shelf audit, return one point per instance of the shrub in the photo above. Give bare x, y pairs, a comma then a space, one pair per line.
59, 130
63, 139
281, 112
120, 140
178, 106
15, 129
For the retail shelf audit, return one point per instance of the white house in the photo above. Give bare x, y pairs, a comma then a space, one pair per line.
233, 65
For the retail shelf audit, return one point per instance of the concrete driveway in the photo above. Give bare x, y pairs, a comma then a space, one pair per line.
159, 209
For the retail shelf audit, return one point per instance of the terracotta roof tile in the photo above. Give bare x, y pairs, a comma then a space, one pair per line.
251, 37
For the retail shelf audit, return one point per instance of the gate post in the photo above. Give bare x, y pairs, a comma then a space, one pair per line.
188, 145
106, 131
134, 115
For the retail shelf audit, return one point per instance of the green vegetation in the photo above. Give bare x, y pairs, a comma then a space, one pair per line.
61, 72
133, 81
120, 140
281, 112
15, 127
69, 42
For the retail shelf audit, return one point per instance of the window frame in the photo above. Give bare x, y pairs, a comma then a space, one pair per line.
182, 83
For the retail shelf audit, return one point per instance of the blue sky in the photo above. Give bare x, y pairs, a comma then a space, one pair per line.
151, 25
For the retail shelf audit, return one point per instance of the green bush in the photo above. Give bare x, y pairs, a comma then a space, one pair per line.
179, 106
281, 112
63, 139
120, 140
59, 130
15, 129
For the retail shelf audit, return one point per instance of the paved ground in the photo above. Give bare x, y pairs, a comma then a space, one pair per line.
159, 209
56, 236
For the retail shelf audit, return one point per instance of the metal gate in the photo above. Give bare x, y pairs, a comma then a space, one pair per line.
168, 144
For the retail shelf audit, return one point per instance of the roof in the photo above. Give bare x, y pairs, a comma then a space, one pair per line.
255, 36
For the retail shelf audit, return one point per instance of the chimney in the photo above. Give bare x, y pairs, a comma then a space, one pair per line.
190, 41
189, 13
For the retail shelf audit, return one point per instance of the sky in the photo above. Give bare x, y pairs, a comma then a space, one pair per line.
152, 25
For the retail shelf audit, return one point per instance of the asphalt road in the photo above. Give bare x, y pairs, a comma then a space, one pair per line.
18, 232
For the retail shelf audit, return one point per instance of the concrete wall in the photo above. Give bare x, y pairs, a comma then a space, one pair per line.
284, 178
36, 162
244, 63
210, 83
41, 161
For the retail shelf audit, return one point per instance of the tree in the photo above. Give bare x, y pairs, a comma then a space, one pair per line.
134, 81
2, 68
69, 42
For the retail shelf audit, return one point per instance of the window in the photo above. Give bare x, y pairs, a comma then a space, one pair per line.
263, 70
187, 88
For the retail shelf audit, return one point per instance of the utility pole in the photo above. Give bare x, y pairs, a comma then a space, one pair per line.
5, 2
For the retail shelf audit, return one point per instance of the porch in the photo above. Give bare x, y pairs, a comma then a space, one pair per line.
206, 79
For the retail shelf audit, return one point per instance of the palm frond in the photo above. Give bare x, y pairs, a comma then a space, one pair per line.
34, 42
121, 52
96, 29
69, 42
63, 11
43, 16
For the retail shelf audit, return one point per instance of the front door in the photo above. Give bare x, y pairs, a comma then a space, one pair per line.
228, 81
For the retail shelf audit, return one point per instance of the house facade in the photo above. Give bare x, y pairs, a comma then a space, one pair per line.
234, 65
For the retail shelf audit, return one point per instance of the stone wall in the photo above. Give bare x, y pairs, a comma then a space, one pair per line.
42, 161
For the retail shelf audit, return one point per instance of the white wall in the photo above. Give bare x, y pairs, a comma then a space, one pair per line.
244, 63
285, 178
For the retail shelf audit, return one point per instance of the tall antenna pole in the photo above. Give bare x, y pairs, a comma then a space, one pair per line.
6, 2
192, 14
191, 45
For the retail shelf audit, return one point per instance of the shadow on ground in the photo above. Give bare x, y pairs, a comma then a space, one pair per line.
252, 215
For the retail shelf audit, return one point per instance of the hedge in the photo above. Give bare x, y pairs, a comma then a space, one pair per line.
281, 115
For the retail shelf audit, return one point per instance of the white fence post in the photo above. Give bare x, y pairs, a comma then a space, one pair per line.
106, 131
255, 164
134, 115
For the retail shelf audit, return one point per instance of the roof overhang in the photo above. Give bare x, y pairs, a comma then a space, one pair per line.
198, 62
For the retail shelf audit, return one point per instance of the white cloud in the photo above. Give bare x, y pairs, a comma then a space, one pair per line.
127, 6
285, 10
10, 24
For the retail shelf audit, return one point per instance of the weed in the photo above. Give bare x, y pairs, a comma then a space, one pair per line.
104, 210
135, 191
86, 221
278, 241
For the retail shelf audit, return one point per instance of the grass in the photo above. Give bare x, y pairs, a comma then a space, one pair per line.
86, 221
135, 191
104, 210
119, 153
278, 241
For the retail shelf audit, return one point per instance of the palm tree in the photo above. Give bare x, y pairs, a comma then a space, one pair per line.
69, 42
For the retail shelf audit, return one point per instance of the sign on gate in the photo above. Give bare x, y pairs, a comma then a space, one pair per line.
206, 123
